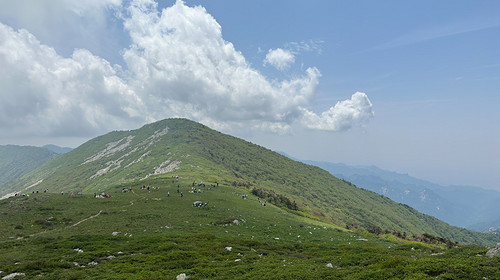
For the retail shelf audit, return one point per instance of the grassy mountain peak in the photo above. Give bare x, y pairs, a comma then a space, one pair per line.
180, 147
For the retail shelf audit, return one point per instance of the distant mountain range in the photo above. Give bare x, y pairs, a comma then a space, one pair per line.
57, 149
16, 161
179, 147
465, 206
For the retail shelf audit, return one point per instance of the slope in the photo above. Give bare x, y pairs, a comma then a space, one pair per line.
57, 149
462, 206
179, 147
149, 234
15, 161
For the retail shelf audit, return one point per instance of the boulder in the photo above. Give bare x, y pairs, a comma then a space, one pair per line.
494, 252
14, 275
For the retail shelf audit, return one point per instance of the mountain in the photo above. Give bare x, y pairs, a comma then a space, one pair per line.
15, 161
57, 149
158, 234
179, 147
464, 206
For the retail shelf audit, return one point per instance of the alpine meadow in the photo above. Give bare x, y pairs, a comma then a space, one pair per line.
284, 139
121, 206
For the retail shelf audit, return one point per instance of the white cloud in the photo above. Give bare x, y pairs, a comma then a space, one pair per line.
305, 46
66, 25
279, 58
343, 115
180, 58
177, 65
42, 93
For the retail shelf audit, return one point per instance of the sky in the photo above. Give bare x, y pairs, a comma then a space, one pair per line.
408, 86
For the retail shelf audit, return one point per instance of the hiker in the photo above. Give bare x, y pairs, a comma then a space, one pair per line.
182, 194
168, 194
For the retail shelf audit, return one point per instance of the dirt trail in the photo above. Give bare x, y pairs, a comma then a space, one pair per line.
91, 217
73, 225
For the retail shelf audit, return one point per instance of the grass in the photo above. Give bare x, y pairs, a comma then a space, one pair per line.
150, 235
125, 157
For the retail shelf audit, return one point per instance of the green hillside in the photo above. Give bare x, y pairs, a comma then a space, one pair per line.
15, 161
149, 234
179, 147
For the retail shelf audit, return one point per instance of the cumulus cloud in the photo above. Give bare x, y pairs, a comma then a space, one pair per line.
67, 24
177, 65
279, 58
181, 60
43, 93
343, 115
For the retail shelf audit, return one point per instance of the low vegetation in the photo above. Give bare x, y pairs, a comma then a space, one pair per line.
121, 206
157, 234
187, 148
15, 161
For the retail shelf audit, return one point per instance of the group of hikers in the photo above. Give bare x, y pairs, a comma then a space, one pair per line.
194, 187
102, 195
33, 192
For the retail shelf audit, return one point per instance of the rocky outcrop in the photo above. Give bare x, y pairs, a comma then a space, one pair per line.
494, 252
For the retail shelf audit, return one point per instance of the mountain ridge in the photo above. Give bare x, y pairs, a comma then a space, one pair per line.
464, 206
16, 161
57, 149
184, 148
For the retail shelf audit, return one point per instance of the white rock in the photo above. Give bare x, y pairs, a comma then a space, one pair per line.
329, 265
181, 276
276, 238
494, 252
93, 263
229, 248
115, 233
14, 275
236, 222
78, 250
237, 260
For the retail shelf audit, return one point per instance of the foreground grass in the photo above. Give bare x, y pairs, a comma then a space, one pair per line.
150, 235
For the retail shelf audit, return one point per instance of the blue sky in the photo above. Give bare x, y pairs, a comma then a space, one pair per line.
416, 82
